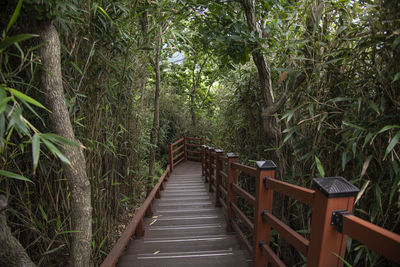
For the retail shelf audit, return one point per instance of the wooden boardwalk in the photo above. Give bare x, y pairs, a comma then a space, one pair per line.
186, 228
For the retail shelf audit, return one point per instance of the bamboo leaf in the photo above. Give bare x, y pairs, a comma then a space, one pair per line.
388, 127
14, 176
76, 67
396, 77
35, 150
396, 42
14, 15
352, 125
365, 165
392, 143
319, 167
53, 149
44, 215
359, 195
26, 98
3, 104
15, 39
59, 139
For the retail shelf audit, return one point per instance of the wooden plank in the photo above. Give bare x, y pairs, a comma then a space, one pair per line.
223, 174
272, 257
193, 145
179, 155
223, 190
193, 138
178, 141
194, 152
185, 230
242, 236
377, 238
179, 161
195, 158
244, 168
244, 194
178, 148
297, 192
243, 217
290, 235
223, 204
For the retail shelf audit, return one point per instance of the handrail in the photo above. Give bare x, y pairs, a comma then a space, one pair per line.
293, 191
294, 238
243, 193
178, 148
381, 240
332, 204
136, 224
246, 169
178, 141
184, 143
243, 217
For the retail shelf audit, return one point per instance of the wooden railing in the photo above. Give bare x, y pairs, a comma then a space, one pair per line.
183, 149
136, 225
331, 223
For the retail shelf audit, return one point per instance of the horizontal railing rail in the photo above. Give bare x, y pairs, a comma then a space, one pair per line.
136, 224
181, 146
331, 202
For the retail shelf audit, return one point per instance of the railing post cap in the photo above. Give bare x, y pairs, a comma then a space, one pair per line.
203, 146
231, 155
333, 187
266, 165
210, 148
219, 151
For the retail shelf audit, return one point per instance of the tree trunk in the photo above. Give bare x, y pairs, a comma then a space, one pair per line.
79, 185
156, 119
11, 251
270, 123
192, 112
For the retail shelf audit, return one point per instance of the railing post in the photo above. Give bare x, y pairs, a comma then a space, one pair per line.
185, 147
203, 160
206, 148
332, 194
231, 198
264, 201
171, 157
139, 232
149, 211
218, 178
210, 169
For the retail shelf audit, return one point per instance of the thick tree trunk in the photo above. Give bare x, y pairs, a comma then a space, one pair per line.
270, 123
75, 173
11, 251
156, 119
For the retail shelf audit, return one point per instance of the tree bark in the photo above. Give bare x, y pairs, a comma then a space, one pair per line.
11, 251
270, 123
79, 185
156, 119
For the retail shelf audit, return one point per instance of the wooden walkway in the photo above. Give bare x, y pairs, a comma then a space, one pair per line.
186, 228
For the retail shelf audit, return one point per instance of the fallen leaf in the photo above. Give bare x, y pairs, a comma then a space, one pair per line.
156, 252
152, 222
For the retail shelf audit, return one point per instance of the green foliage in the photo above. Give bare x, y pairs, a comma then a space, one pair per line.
342, 120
